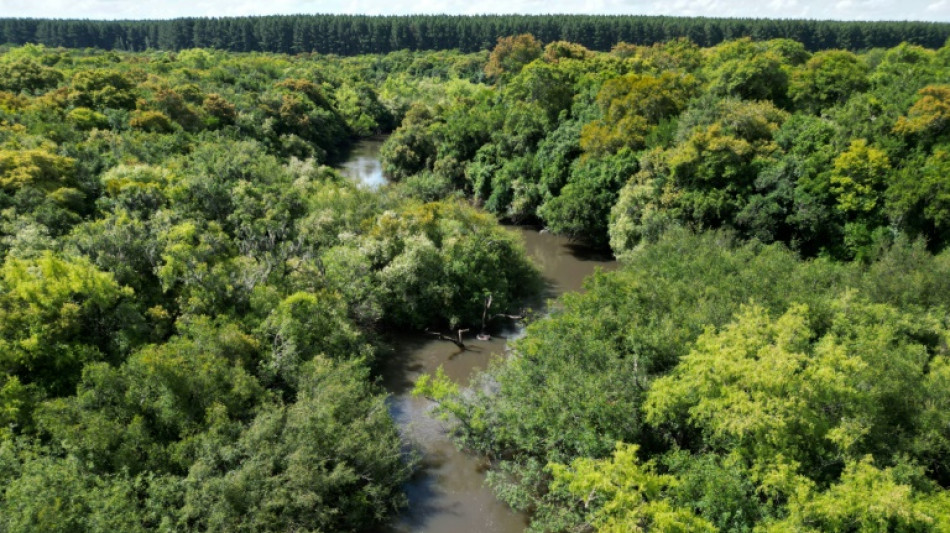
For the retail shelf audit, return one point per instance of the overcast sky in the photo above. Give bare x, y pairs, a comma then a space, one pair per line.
935, 10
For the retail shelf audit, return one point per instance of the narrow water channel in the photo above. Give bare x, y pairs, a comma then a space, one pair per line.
448, 493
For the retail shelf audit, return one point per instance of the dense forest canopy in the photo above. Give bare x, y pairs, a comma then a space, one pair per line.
832, 152
772, 355
361, 34
194, 305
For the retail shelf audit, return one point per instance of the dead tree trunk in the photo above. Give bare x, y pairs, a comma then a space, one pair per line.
456, 339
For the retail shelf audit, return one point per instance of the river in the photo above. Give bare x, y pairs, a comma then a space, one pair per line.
448, 493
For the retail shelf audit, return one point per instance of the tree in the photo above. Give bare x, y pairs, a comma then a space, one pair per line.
866, 499
625, 495
582, 208
855, 373
929, 117
29, 76
828, 78
511, 54
630, 105
59, 313
38, 168
331, 460
858, 178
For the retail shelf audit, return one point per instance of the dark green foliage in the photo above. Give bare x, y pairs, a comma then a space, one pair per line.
583, 205
333, 34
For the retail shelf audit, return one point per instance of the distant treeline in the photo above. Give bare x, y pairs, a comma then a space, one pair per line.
357, 34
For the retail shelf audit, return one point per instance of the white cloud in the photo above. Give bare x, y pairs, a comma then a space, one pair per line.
937, 10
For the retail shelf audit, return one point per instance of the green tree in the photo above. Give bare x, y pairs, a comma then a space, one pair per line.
828, 78
511, 54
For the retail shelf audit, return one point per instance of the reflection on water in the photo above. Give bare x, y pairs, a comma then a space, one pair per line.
363, 165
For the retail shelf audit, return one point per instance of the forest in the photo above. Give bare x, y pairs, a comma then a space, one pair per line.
365, 34
195, 305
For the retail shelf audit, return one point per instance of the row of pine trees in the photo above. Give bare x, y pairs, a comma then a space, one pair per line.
358, 34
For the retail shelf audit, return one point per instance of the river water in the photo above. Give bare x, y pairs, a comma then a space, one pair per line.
448, 493
362, 163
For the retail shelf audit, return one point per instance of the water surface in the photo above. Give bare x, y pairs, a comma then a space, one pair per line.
448, 493
362, 163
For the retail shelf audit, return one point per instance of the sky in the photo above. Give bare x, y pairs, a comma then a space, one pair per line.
933, 10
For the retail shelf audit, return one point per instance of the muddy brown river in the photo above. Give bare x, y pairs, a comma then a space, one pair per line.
448, 493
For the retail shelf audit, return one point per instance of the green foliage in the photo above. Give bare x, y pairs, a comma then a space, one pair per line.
929, 117
746, 382
58, 314
333, 34
331, 460
858, 176
627, 496
511, 54
29, 76
866, 499
61, 495
306, 324
151, 121
828, 360
191, 304
87, 119
630, 105
35, 168
583, 205
101, 89
753, 71
707, 126
827, 78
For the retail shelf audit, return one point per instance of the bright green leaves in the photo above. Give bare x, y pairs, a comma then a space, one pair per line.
625, 494
858, 177
364, 113
27, 75
231, 390
102, 89
305, 325
802, 389
741, 412
36, 168
866, 499
705, 180
57, 314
